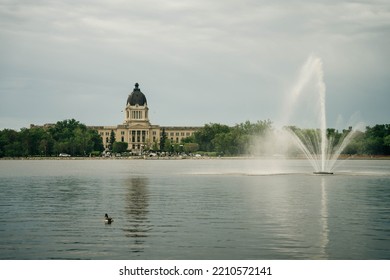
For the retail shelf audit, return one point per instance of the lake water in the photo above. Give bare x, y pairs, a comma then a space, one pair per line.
193, 209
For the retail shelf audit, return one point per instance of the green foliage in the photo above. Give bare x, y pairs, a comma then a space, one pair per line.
68, 136
356, 146
374, 141
155, 146
191, 147
386, 141
119, 147
112, 140
238, 140
96, 153
163, 140
225, 140
189, 139
205, 136
74, 138
168, 147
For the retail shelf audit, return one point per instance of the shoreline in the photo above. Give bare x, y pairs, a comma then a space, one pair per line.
342, 157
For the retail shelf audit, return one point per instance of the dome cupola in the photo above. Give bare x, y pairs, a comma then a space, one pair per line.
136, 97
136, 111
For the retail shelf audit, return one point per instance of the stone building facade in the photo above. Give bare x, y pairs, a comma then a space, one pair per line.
137, 130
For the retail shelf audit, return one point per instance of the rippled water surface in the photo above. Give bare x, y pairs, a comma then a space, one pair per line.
193, 209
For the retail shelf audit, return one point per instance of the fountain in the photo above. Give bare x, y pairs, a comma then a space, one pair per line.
320, 149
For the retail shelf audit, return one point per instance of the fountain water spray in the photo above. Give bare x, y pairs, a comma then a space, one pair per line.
321, 151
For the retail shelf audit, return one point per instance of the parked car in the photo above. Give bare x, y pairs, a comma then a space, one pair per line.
64, 155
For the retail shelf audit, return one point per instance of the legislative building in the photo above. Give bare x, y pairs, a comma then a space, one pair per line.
137, 130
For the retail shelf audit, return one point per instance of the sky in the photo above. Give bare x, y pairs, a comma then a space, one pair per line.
197, 61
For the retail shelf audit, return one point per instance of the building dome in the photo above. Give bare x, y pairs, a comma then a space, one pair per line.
136, 97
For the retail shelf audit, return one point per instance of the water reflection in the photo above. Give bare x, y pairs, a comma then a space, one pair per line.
324, 219
136, 209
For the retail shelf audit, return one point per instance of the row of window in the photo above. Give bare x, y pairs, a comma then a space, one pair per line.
182, 134
140, 136
137, 115
178, 134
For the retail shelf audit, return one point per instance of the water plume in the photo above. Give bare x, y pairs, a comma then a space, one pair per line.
320, 149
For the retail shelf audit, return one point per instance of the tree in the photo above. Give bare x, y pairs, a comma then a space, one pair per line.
72, 137
119, 147
10, 144
191, 147
205, 135
168, 146
163, 140
231, 140
155, 146
356, 145
68, 136
225, 143
112, 140
97, 141
375, 139
386, 141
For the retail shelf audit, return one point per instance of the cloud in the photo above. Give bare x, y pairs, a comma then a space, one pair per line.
234, 59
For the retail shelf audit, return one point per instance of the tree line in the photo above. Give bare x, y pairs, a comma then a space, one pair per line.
67, 137
226, 140
259, 138
374, 140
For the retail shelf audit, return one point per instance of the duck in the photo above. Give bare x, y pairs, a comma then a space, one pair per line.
108, 220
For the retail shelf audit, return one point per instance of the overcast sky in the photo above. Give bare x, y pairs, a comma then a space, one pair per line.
197, 61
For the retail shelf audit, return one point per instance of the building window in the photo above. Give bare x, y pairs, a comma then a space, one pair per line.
123, 139
137, 115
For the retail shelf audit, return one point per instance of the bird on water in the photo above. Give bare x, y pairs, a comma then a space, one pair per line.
108, 220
